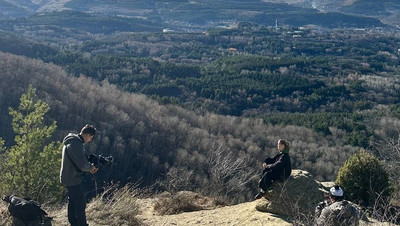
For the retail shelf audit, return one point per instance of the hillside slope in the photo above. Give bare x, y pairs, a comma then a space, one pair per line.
244, 214
152, 142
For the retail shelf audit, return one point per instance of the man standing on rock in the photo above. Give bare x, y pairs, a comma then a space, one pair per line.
339, 212
73, 165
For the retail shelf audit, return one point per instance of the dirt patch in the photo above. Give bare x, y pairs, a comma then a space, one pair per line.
241, 214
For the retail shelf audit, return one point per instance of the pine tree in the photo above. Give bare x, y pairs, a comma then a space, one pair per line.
31, 168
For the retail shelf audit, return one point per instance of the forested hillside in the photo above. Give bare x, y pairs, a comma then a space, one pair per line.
193, 95
153, 142
251, 70
247, 71
170, 103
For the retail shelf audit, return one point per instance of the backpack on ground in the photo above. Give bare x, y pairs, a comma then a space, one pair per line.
25, 209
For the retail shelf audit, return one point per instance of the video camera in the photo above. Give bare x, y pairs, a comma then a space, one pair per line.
100, 160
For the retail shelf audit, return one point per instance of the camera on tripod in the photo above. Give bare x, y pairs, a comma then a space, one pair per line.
100, 160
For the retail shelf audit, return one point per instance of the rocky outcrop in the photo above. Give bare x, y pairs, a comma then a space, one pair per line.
299, 194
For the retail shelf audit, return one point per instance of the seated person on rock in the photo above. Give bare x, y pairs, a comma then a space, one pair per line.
336, 211
276, 168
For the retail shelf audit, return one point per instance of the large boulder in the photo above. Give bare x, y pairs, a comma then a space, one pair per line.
299, 194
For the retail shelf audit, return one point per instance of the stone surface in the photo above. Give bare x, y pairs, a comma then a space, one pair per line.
300, 193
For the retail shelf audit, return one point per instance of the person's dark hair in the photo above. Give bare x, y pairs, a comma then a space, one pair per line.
285, 142
88, 129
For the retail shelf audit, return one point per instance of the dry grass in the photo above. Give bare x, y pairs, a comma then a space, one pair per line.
4, 215
116, 206
184, 201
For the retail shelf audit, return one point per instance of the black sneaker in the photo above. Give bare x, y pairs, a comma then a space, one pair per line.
259, 195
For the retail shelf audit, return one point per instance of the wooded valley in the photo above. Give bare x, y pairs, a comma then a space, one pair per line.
200, 111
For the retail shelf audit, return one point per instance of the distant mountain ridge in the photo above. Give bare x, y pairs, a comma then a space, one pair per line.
388, 11
205, 14
379, 9
11, 9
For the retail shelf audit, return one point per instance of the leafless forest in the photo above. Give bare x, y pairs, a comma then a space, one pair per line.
165, 146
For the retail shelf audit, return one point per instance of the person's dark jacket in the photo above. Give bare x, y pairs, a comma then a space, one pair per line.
279, 163
73, 162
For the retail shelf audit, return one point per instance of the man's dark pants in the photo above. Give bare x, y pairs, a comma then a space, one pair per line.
76, 206
268, 177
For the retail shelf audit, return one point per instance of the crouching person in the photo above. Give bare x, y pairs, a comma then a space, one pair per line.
276, 168
336, 211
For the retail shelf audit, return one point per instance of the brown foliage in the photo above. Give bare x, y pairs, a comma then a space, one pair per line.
183, 201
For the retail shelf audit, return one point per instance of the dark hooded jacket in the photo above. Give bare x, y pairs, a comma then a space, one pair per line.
279, 164
73, 162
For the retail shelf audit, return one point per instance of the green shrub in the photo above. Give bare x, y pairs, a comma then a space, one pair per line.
364, 179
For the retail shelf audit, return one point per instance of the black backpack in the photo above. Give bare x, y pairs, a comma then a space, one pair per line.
25, 209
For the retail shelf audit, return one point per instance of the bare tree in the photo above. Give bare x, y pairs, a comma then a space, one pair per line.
229, 174
389, 152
